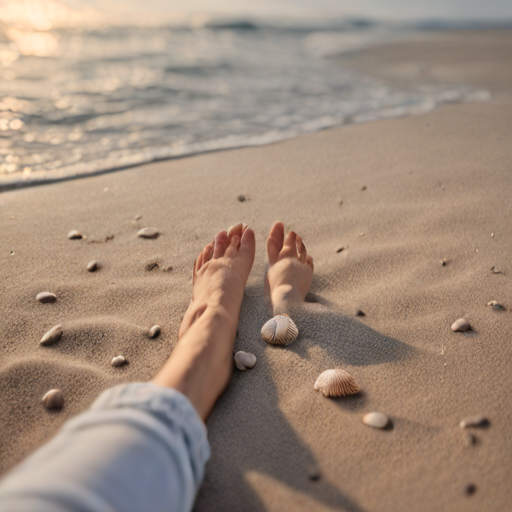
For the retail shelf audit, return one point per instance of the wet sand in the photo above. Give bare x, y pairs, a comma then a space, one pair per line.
400, 196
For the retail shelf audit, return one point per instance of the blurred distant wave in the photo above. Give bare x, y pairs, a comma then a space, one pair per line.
82, 93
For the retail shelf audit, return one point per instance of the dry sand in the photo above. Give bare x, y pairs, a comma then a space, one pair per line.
438, 186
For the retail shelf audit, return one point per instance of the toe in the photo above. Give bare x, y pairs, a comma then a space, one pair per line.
232, 250
301, 250
275, 242
248, 248
237, 230
289, 249
309, 261
208, 252
221, 244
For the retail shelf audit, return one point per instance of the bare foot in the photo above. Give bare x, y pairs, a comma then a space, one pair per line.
201, 364
220, 274
290, 269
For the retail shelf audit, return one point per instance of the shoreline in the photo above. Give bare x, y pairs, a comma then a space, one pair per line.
400, 196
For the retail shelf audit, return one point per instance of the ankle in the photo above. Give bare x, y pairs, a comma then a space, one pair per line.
285, 299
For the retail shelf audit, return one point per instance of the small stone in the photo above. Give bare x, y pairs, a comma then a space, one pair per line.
93, 265
461, 325
314, 473
475, 422
148, 233
376, 420
118, 361
363, 188
54, 399
244, 360
138, 217
341, 249
154, 331
471, 440
469, 489
75, 235
444, 263
360, 313
242, 198
46, 297
52, 336
496, 305
494, 270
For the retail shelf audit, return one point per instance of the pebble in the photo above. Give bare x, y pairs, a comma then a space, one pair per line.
54, 399
469, 489
46, 297
154, 331
376, 420
474, 421
461, 325
360, 313
244, 360
148, 233
341, 249
75, 235
494, 270
93, 265
118, 361
363, 188
496, 305
52, 336
242, 198
444, 263
314, 473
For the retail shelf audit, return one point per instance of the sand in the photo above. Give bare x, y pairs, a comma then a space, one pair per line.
438, 187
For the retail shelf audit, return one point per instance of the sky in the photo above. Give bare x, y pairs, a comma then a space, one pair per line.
401, 10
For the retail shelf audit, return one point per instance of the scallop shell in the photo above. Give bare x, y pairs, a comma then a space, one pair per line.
336, 383
54, 399
244, 360
280, 330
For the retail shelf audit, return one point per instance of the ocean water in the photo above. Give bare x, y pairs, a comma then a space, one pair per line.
79, 95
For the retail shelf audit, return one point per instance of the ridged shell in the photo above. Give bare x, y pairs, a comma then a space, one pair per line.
54, 399
280, 330
336, 383
52, 336
244, 360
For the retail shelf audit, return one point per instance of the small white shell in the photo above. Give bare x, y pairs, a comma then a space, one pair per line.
118, 361
244, 360
461, 325
496, 305
376, 420
148, 233
52, 336
280, 330
336, 383
154, 331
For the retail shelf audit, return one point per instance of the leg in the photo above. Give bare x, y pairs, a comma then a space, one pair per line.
290, 269
201, 364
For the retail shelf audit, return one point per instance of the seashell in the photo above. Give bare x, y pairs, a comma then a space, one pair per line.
474, 421
93, 265
496, 305
75, 235
118, 361
46, 297
336, 383
154, 331
244, 360
376, 420
461, 325
148, 233
54, 399
280, 330
53, 335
